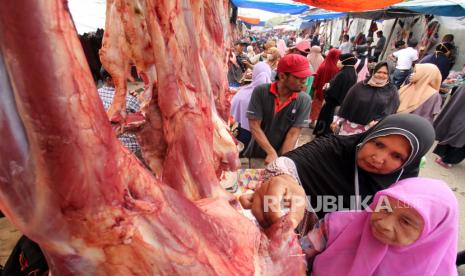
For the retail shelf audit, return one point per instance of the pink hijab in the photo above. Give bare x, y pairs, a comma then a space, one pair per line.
282, 48
315, 58
362, 75
240, 102
352, 249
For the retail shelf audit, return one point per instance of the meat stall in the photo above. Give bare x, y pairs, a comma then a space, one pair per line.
69, 185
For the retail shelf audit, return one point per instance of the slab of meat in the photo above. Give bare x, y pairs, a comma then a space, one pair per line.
67, 183
185, 41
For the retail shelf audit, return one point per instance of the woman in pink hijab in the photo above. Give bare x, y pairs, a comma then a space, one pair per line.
411, 228
315, 58
282, 48
261, 74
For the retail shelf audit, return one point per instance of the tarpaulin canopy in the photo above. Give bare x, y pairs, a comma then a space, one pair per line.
441, 8
259, 24
307, 24
349, 5
389, 13
324, 15
271, 6
253, 21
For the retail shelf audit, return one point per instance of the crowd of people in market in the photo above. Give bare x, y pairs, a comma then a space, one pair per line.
349, 88
374, 118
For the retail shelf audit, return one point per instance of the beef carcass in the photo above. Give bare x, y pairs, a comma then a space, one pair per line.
187, 40
68, 184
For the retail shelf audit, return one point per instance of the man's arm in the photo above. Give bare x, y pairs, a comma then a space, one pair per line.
262, 141
415, 59
247, 64
291, 139
393, 56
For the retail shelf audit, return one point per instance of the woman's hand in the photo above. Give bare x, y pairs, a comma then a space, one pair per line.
269, 200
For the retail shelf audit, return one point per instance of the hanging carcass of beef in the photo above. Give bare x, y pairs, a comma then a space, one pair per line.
68, 184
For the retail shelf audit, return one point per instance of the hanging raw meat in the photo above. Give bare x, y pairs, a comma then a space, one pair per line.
68, 184
188, 42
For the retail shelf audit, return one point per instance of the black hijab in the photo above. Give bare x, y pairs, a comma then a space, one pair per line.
365, 103
449, 125
348, 59
327, 165
343, 80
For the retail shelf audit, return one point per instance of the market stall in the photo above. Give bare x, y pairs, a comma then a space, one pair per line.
93, 207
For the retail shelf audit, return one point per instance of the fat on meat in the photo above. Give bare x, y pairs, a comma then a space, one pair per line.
188, 40
67, 183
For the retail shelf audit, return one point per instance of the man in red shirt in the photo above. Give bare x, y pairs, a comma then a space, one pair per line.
279, 110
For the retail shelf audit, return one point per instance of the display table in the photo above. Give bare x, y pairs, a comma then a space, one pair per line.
238, 182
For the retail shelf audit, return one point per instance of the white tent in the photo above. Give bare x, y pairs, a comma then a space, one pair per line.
88, 15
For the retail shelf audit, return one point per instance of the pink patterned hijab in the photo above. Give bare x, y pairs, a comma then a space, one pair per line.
352, 249
261, 74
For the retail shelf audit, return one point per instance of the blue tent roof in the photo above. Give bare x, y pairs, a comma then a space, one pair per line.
271, 6
442, 8
324, 15
307, 24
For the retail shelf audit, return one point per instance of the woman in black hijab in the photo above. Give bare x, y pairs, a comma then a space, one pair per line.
367, 102
336, 92
450, 131
440, 58
349, 168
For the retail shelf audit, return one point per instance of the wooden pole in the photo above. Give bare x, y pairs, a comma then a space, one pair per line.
330, 32
388, 40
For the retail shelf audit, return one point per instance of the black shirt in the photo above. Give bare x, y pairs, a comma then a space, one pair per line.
276, 120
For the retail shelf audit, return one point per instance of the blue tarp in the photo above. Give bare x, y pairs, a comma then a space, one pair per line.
271, 6
442, 8
307, 24
324, 15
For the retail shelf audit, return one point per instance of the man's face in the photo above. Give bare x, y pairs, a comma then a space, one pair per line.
294, 83
109, 82
239, 48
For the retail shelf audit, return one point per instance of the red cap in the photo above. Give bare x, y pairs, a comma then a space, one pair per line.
295, 64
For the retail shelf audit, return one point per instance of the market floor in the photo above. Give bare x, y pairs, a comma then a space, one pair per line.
454, 177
